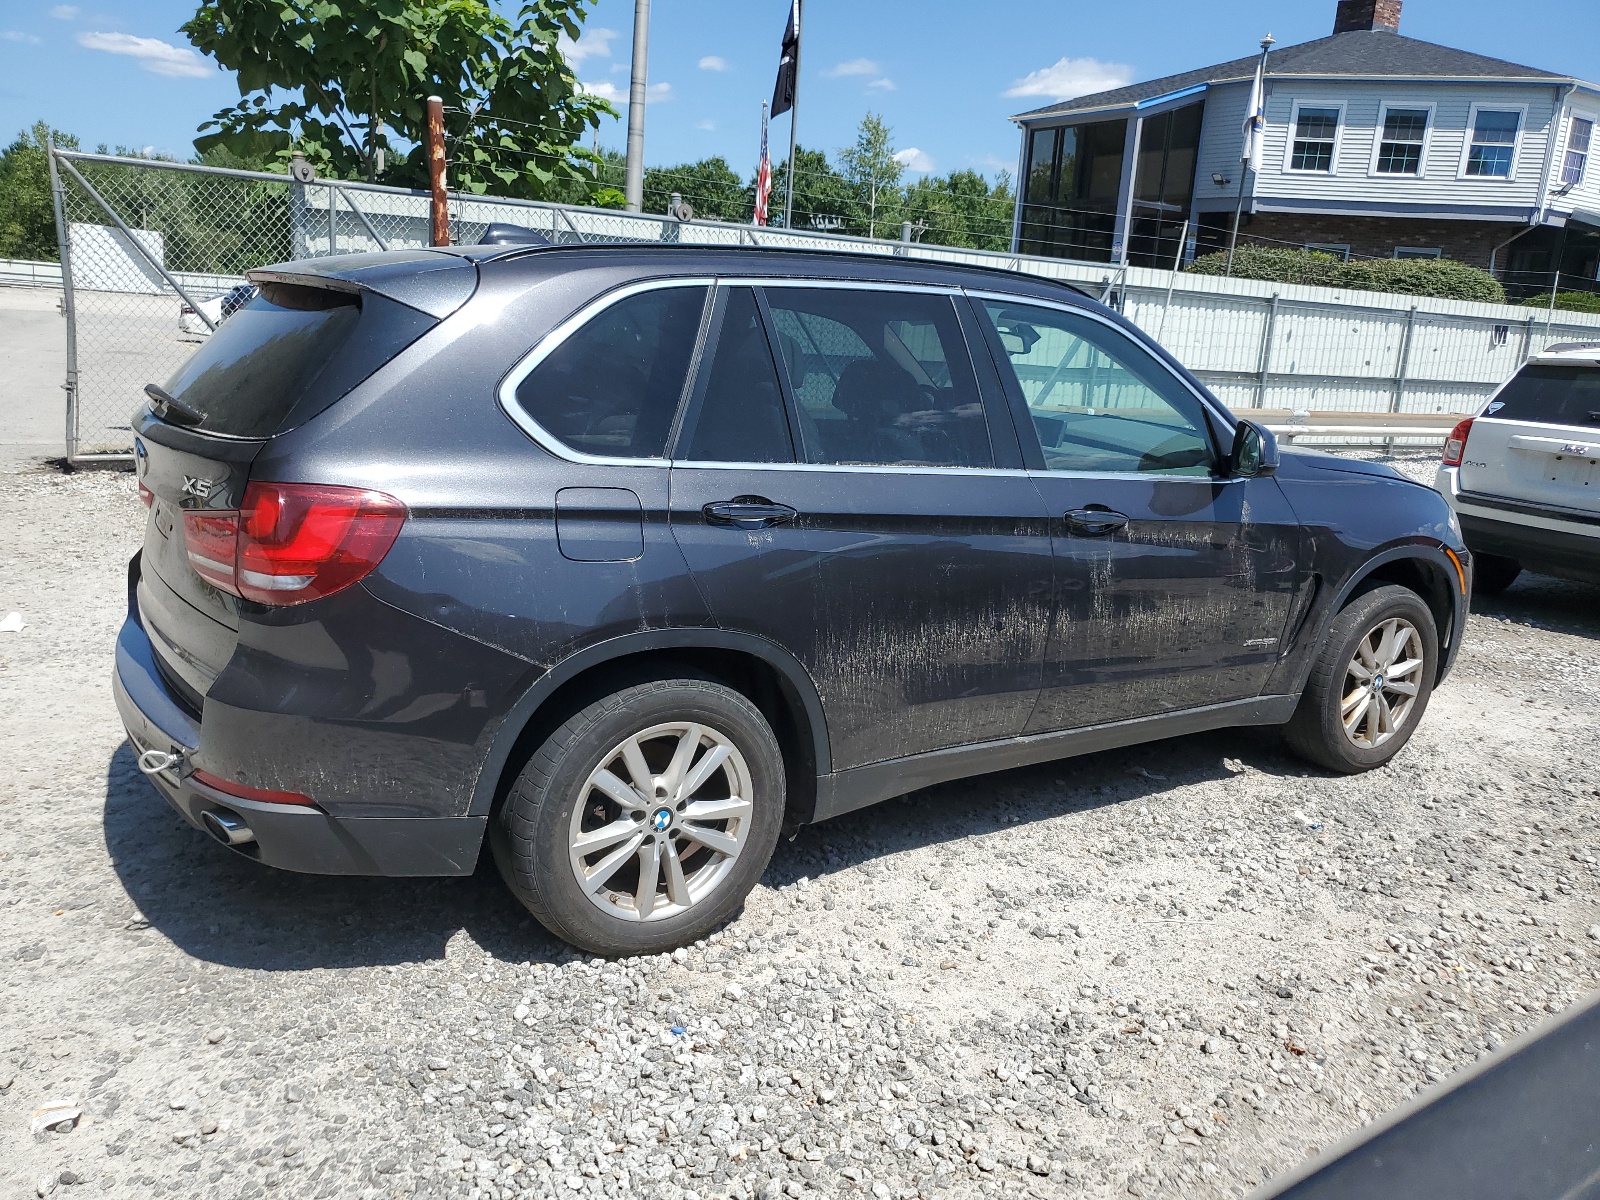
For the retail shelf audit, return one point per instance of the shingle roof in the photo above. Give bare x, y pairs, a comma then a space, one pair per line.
1363, 54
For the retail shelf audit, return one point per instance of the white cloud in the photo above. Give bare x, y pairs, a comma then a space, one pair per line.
882, 85
16, 35
64, 12
708, 126
856, 66
595, 43
713, 62
154, 55
1070, 77
655, 93
916, 160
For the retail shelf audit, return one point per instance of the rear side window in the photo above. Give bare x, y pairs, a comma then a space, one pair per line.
1550, 396
264, 361
880, 376
612, 387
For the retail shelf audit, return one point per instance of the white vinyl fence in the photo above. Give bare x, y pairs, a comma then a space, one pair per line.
174, 234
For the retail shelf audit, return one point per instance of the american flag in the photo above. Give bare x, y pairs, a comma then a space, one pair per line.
763, 175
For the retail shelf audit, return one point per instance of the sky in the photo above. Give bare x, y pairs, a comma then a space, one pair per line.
945, 74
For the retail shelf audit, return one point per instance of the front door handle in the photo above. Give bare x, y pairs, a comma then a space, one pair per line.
748, 512
1095, 521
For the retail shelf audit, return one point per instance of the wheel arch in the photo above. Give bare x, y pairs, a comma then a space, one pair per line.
765, 673
1421, 568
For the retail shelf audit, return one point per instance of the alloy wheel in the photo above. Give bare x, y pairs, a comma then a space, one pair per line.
661, 821
1381, 682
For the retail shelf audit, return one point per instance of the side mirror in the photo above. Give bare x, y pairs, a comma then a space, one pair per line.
1255, 451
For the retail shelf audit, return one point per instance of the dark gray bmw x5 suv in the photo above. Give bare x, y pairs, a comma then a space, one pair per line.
629, 557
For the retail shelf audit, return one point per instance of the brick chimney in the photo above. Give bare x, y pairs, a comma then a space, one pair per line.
1360, 16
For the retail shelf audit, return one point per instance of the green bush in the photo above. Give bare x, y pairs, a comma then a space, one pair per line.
1439, 277
1584, 302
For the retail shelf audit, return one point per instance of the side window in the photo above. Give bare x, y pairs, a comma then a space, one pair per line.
612, 387
740, 412
880, 377
1099, 401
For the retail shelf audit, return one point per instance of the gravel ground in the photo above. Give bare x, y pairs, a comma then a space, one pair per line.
1173, 970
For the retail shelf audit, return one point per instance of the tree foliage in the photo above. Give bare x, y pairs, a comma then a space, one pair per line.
27, 216
711, 187
872, 172
1439, 277
340, 80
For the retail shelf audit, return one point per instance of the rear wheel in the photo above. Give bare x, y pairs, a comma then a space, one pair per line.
645, 819
1370, 684
1492, 574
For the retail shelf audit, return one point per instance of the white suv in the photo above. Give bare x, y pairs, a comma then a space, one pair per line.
1524, 475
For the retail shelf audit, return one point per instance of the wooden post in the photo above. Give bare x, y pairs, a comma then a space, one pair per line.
439, 207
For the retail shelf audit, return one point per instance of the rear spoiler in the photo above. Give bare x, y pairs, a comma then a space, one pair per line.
426, 280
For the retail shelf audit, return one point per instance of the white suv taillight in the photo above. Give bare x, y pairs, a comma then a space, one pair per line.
1455, 446
292, 542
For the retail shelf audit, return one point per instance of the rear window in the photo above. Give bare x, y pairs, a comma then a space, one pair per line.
1550, 395
288, 354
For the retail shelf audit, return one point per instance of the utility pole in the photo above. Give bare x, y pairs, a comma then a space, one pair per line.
439, 206
633, 188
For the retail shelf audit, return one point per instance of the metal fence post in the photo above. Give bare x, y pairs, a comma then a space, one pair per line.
1267, 335
69, 307
1403, 368
362, 217
333, 217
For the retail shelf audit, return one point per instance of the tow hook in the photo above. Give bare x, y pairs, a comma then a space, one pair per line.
153, 762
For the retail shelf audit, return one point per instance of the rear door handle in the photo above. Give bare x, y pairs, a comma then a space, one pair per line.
1095, 521
748, 512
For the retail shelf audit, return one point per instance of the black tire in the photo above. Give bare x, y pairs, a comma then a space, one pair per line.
1316, 731
1492, 574
532, 833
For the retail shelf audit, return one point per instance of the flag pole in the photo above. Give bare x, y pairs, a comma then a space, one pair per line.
1245, 165
794, 116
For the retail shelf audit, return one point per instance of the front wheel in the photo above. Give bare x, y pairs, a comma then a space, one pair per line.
645, 819
1370, 683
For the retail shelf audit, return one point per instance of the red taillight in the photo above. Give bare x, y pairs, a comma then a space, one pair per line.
146, 494
1455, 446
264, 795
292, 542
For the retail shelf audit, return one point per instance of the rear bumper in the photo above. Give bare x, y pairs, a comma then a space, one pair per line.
1545, 540
291, 837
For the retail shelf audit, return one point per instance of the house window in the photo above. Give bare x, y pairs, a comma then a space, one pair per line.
1494, 143
1418, 252
1339, 250
1315, 131
1400, 149
1579, 137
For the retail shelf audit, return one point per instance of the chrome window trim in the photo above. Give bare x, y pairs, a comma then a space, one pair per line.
855, 468
1207, 402
547, 345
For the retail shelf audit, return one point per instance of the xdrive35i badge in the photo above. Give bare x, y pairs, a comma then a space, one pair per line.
201, 488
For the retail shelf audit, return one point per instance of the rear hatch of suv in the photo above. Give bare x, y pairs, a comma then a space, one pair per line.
304, 342
1539, 439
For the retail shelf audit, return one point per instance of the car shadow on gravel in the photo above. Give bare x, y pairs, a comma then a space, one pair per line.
222, 908
951, 812
1545, 602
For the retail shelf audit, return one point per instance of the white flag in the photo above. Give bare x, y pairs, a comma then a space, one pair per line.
1255, 121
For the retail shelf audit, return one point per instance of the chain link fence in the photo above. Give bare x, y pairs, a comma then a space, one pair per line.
152, 253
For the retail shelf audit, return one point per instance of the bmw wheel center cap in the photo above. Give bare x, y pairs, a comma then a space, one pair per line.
661, 820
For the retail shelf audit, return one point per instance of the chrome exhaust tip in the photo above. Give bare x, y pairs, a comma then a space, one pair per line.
226, 828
